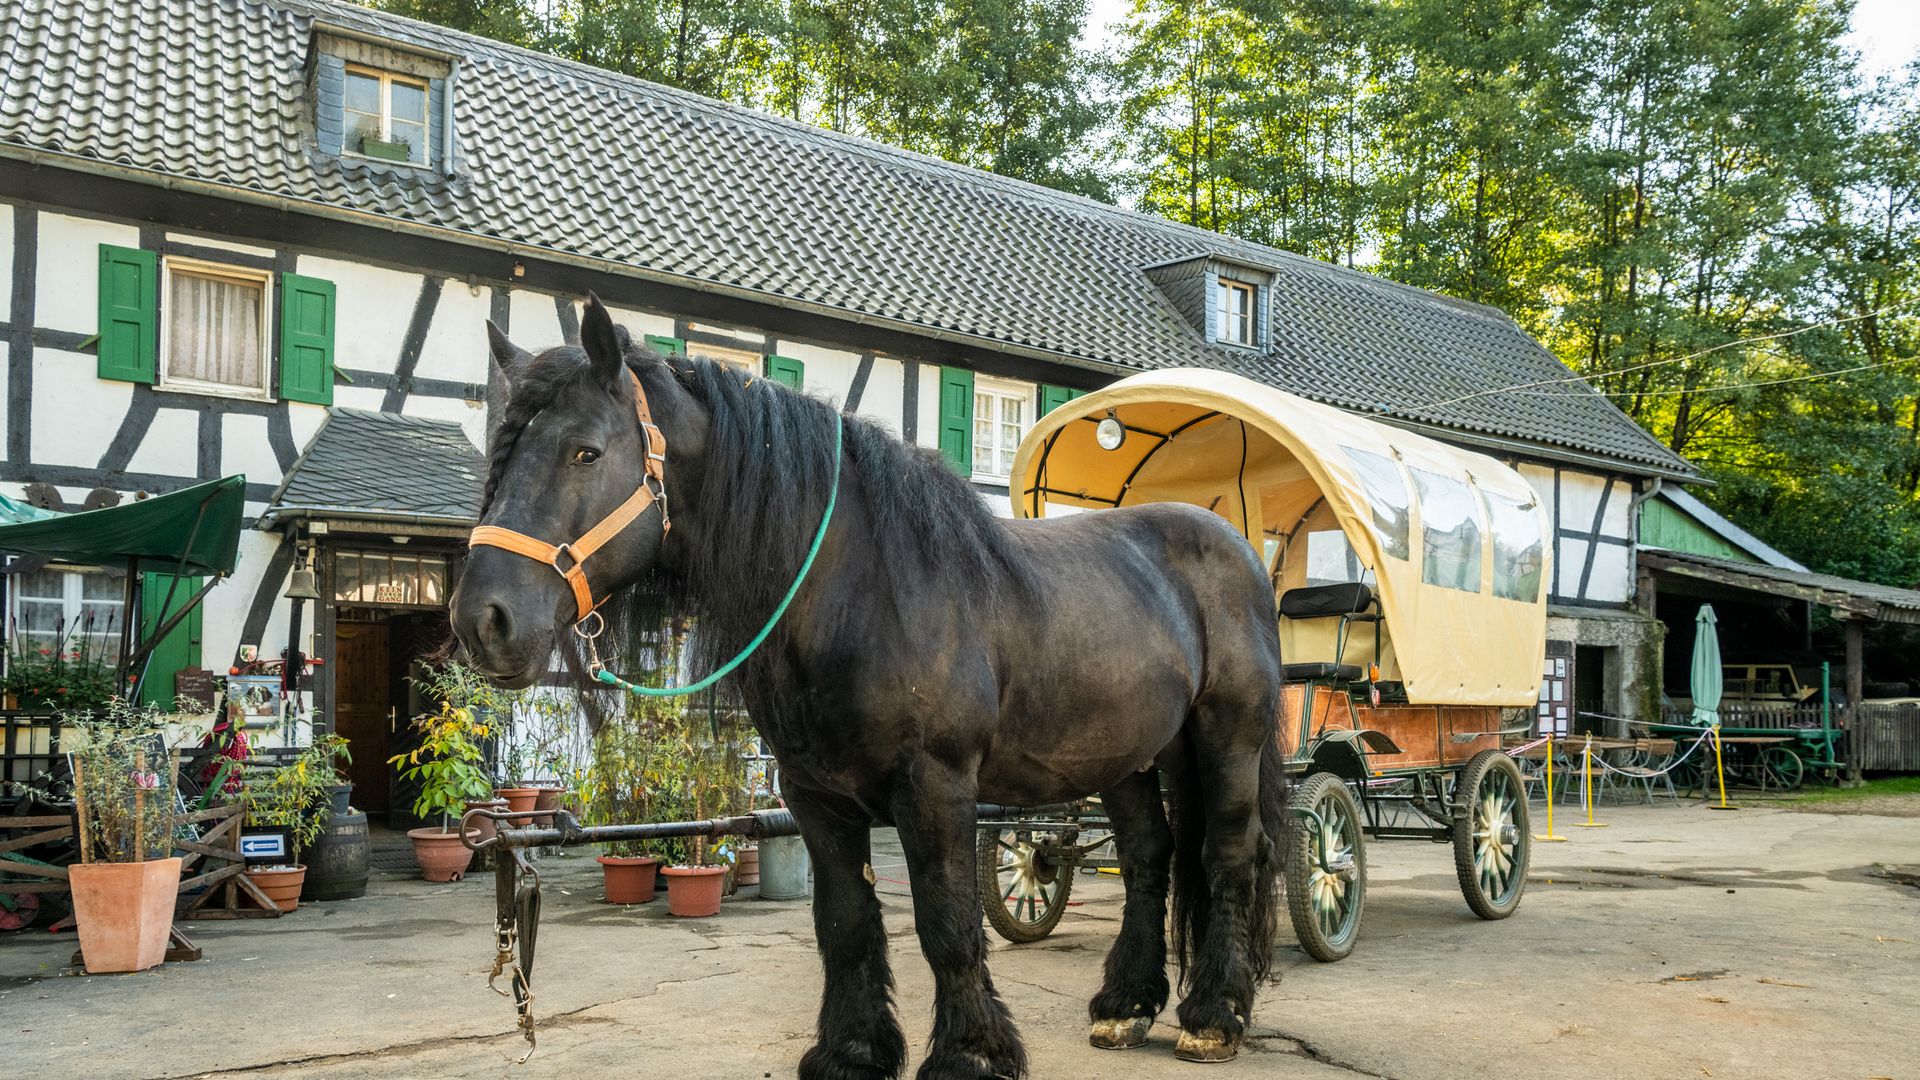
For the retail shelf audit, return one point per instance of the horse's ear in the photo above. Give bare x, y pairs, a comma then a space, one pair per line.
512, 358
604, 343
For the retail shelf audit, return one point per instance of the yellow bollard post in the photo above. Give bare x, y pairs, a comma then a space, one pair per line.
1550, 836
1586, 788
1720, 770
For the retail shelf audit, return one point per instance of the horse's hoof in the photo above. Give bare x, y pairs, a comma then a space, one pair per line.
1120, 1034
1208, 1046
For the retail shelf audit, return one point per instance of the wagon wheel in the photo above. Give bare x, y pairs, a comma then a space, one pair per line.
1491, 839
1692, 772
1782, 768
1326, 867
1024, 894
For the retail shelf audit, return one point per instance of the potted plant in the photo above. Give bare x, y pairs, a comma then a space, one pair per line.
298, 797
386, 149
701, 773
616, 792
126, 878
68, 674
449, 766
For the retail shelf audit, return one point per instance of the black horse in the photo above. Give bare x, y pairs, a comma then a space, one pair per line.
936, 656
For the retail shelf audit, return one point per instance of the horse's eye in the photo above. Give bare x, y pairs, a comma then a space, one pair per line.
584, 456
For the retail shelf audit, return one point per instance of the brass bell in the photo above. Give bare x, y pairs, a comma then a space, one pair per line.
301, 587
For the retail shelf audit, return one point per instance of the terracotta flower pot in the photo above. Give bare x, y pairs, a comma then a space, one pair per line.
746, 871
519, 799
695, 890
441, 855
124, 911
486, 827
630, 879
282, 884
544, 804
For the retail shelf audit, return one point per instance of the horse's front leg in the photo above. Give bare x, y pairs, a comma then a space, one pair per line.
858, 1036
973, 1036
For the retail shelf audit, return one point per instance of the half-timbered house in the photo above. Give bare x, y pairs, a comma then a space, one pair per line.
263, 237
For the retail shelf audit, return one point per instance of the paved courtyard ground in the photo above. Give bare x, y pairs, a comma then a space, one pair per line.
1676, 943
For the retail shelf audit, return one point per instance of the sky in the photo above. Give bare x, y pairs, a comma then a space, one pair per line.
1887, 32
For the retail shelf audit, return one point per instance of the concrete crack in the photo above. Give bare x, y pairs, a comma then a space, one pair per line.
1305, 1049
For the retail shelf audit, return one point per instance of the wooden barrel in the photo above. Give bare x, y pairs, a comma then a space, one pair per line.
337, 861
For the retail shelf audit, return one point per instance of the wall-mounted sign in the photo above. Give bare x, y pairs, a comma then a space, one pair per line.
253, 700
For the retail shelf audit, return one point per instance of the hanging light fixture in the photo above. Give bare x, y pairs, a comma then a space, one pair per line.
1110, 433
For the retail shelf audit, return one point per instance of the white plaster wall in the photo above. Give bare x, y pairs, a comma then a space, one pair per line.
456, 344
373, 307
244, 448
928, 432
639, 323
1568, 565
1579, 495
828, 372
75, 413
225, 612
172, 445
199, 240
6, 261
1540, 478
1618, 519
886, 390
1612, 579
353, 397
67, 288
532, 323
305, 420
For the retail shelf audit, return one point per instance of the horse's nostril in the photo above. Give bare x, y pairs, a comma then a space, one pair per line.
496, 624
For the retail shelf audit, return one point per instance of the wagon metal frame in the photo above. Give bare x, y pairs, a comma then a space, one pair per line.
1410, 578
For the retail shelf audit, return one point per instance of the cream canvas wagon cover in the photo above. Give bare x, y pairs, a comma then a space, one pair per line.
1454, 542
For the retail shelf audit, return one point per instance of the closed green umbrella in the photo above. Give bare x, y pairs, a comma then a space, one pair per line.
1707, 680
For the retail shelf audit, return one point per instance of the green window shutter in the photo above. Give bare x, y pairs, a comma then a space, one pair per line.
666, 346
129, 314
1052, 397
956, 418
181, 649
786, 371
306, 339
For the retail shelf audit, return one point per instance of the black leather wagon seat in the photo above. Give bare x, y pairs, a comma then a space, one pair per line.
1349, 599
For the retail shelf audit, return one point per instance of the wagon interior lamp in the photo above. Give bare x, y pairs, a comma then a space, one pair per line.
1110, 433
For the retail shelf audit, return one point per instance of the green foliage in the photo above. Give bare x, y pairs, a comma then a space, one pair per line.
69, 673
450, 764
126, 785
296, 794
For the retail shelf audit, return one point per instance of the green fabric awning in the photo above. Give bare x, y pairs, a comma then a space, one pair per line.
202, 522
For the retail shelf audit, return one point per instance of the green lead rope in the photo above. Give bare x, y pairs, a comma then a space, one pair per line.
819, 537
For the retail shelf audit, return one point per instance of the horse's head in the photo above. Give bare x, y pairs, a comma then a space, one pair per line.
569, 467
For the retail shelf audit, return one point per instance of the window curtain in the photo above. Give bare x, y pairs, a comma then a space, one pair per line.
214, 332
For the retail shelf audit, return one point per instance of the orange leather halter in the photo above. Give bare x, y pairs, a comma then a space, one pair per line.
570, 560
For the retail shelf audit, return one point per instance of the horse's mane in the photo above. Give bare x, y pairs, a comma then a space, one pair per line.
769, 462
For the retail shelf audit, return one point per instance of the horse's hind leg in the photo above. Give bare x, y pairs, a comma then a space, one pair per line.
1235, 860
1135, 988
973, 1036
858, 1037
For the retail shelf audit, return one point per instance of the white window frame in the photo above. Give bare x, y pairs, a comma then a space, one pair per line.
744, 360
1234, 328
240, 275
73, 602
387, 79
1028, 394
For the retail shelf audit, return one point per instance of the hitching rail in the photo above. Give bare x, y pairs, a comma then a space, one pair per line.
516, 883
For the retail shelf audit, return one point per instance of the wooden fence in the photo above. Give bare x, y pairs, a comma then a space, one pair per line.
1890, 738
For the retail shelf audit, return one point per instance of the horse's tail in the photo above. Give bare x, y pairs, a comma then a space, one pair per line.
1192, 893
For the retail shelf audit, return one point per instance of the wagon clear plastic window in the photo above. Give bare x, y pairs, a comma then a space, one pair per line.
1450, 527
1331, 560
1519, 551
1386, 498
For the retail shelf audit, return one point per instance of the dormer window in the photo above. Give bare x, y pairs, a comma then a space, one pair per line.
380, 104
386, 115
1236, 315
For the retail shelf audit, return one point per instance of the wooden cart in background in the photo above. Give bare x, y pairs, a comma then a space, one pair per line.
1410, 585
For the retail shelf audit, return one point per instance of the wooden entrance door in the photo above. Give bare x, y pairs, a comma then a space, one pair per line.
363, 708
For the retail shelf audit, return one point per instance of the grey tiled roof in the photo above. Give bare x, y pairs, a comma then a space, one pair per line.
672, 186
385, 464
